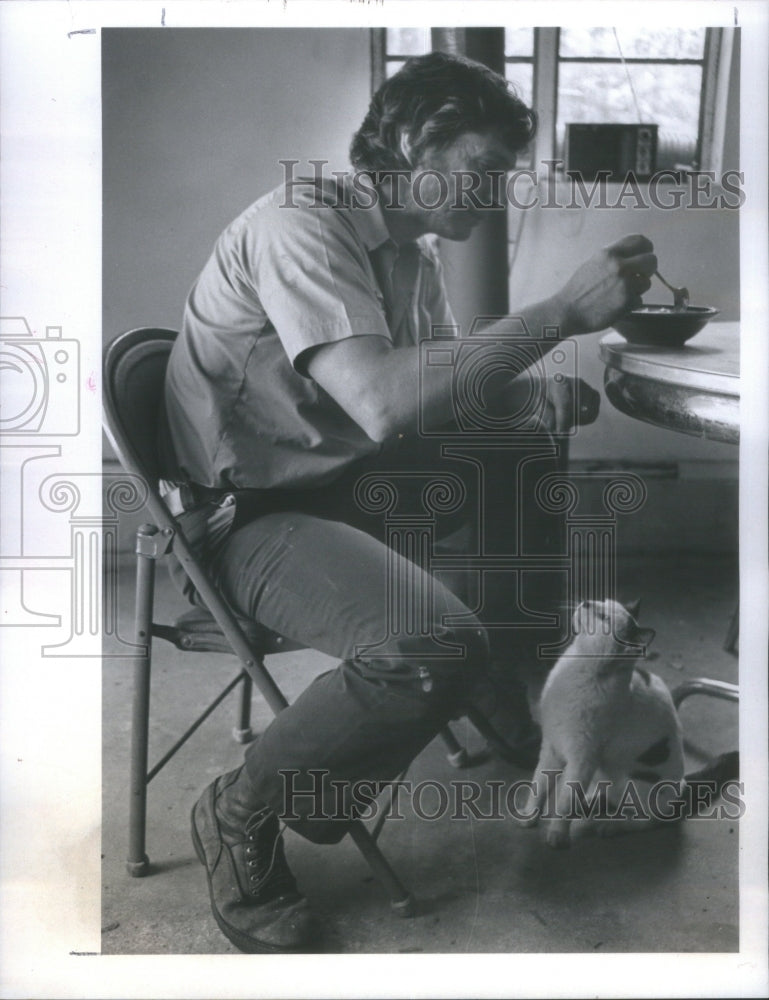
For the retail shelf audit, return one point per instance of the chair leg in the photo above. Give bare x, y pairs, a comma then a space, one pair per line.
401, 900
138, 862
704, 685
243, 733
457, 754
517, 755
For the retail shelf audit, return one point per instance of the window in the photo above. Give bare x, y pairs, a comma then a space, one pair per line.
400, 43
675, 78
616, 75
391, 47
519, 62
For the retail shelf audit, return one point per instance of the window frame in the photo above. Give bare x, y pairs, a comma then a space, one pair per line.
716, 67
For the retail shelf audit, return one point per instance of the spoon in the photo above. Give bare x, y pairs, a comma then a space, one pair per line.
680, 295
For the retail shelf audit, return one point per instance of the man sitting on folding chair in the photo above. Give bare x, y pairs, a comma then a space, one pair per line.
296, 372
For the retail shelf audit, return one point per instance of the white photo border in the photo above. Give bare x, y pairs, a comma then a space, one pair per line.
50, 777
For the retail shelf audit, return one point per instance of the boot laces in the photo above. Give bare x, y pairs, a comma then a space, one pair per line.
264, 872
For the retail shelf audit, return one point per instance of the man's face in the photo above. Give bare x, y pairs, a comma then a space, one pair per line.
456, 182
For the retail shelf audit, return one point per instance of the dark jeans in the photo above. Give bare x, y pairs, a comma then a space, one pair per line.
320, 567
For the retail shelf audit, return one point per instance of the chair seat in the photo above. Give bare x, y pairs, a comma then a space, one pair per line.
197, 631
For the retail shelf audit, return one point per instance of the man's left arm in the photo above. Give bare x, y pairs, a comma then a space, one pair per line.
565, 398
380, 386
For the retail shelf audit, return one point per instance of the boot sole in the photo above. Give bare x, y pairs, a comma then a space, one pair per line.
244, 943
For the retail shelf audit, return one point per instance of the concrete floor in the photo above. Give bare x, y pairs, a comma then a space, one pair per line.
482, 886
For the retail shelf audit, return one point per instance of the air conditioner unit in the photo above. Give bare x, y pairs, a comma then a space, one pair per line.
617, 148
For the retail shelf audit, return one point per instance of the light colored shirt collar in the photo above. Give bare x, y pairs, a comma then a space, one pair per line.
369, 222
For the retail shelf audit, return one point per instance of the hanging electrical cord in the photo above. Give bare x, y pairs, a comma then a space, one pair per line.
629, 79
514, 241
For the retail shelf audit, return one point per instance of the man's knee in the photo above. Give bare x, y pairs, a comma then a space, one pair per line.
443, 658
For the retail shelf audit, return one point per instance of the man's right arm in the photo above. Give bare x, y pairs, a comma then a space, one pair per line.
382, 389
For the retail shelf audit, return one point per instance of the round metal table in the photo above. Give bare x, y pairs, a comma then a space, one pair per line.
694, 389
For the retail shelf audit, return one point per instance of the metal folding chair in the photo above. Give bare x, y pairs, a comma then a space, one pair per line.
134, 371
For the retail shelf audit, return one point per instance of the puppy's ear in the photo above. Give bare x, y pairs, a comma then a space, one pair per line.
579, 618
634, 607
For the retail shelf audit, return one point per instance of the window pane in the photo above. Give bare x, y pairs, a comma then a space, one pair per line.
520, 75
667, 95
408, 41
519, 41
392, 66
663, 43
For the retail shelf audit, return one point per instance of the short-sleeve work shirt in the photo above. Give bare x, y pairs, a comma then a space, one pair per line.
302, 267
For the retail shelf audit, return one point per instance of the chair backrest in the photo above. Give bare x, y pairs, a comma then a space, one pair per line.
134, 372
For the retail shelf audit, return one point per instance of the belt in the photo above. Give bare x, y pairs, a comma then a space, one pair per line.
187, 496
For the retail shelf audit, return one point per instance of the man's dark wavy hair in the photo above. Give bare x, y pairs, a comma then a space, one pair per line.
435, 98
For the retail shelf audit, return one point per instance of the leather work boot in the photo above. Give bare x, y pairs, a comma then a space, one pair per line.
253, 893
